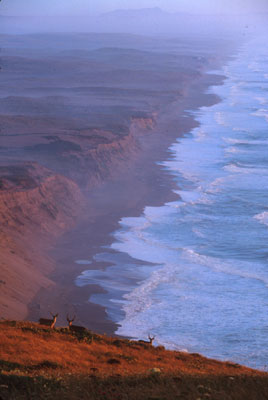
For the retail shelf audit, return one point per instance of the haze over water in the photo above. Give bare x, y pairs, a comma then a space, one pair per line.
206, 288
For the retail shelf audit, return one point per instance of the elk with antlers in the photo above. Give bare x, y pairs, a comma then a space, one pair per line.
49, 322
74, 328
150, 341
70, 321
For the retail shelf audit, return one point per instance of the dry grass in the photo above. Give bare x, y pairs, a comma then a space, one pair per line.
37, 362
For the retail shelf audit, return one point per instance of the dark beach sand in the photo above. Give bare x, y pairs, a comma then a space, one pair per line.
140, 183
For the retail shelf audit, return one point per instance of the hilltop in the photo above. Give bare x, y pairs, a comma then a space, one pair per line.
40, 363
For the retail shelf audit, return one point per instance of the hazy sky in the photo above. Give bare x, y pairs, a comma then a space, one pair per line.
67, 7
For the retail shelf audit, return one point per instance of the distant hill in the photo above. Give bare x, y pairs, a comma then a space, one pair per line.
144, 21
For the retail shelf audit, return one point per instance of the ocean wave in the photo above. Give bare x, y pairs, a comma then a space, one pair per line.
200, 135
220, 118
262, 112
261, 100
236, 129
190, 196
244, 169
198, 233
140, 299
254, 66
229, 267
144, 246
217, 185
262, 217
140, 303
246, 141
236, 88
133, 223
232, 150
234, 168
153, 214
177, 236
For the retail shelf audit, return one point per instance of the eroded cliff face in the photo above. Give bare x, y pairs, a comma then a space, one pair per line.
98, 156
35, 208
141, 125
73, 110
38, 204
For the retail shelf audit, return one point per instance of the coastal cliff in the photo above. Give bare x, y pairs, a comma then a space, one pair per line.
37, 206
81, 122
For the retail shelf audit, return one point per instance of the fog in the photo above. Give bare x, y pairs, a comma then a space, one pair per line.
150, 17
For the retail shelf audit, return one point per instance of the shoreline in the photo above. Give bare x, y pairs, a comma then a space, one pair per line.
142, 183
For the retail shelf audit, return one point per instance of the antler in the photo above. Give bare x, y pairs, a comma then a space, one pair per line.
70, 320
151, 338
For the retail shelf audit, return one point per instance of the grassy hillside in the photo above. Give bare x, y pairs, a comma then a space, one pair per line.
39, 363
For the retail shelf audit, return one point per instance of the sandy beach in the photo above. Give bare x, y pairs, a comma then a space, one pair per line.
79, 150
140, 183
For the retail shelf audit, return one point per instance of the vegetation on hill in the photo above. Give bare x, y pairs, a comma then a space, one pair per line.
37, 362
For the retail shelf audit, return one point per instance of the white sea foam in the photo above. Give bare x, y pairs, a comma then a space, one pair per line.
189, 196
135, 222
207, 258
141, 299
262, 100
236, 169
246, 141
198, 233
200, 135
245, 169
216, 185
220, 118
236, 129
156, 213
262, 112
232, 150
254, 66
232, 267
262, 217
236, 89
141, 245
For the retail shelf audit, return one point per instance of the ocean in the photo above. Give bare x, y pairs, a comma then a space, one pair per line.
194, 272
